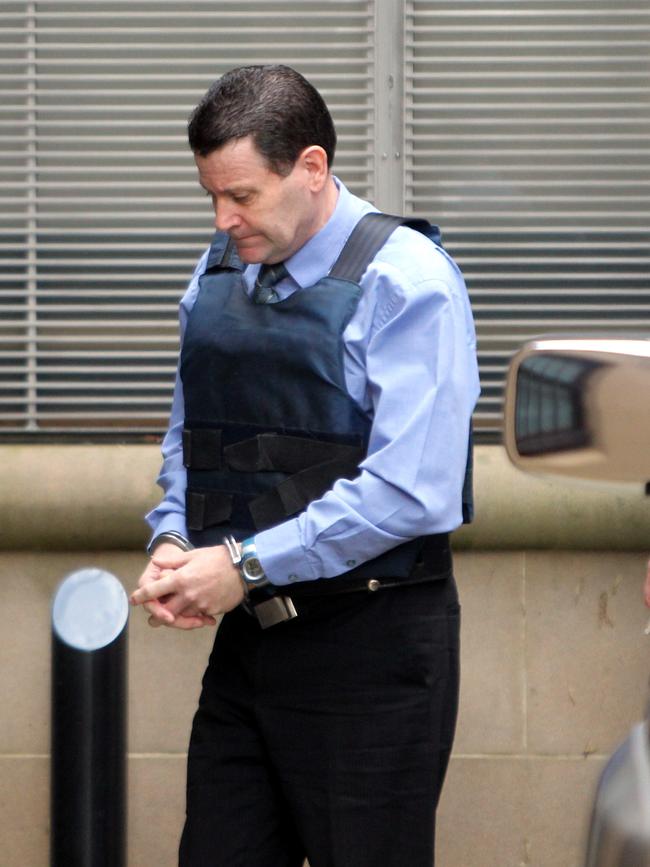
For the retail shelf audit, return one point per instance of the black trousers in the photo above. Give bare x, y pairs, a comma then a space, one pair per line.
327, 736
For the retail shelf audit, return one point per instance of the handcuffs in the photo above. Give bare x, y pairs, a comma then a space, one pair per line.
261, 599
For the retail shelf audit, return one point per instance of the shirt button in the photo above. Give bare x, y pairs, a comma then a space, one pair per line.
293, 577
351, 563
374, 585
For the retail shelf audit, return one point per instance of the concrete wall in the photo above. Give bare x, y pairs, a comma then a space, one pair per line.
555, 660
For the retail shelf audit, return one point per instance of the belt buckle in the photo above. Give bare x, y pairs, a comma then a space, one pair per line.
275, 610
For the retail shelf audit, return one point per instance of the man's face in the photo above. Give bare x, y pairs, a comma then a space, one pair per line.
268, 216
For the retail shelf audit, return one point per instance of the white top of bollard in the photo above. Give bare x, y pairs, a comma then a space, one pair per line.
89, 609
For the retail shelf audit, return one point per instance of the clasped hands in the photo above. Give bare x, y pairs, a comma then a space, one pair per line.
188, 589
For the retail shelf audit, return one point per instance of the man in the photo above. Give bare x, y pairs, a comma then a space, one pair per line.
315, 458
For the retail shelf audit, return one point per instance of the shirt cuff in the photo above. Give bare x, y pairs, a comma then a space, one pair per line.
283, 556
169, 523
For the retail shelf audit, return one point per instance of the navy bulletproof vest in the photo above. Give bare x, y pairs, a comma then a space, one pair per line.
269, 424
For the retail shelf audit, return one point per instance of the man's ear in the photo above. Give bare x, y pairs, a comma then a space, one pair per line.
313, 161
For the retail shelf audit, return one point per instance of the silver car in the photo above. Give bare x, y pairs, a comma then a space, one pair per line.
581, 408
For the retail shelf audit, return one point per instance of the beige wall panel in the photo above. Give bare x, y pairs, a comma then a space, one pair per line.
25, 650
156, 810
560, 794
483, 813
587, 654
88, 496
515, 812
24, 811
491, 717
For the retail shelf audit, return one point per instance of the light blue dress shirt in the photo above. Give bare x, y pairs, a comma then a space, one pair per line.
409, 356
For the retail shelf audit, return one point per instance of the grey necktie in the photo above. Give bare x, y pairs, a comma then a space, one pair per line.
269, 275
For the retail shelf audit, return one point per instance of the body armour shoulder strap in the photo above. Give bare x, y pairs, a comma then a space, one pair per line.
368, 237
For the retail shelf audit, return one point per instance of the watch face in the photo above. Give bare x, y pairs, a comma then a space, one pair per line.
252, 569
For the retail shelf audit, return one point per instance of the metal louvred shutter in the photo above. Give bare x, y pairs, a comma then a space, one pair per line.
101, 216
527, 138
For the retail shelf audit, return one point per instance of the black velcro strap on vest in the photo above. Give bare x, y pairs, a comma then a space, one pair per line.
202, 449
434, 556
295, 493
206, 508
286, 454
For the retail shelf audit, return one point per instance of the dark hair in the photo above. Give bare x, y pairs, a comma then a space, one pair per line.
275, 105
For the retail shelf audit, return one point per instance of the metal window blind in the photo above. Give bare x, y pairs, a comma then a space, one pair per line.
527, 139
101, 216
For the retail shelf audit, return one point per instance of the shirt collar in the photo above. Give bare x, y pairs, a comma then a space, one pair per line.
316, 257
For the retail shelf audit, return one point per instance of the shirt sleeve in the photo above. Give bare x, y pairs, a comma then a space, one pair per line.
169, 515
413, 368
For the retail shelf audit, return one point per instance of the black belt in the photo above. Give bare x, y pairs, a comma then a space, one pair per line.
435, 565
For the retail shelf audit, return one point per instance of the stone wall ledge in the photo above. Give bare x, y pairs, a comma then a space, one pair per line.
86, 497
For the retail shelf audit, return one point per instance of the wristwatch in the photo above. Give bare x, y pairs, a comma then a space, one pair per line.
252, 571
262, 599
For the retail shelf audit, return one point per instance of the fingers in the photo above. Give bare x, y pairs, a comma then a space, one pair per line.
182, 621
169, 595
177, 604
151, 573
173, 610
169, 557
178, 607
155, 592
152, 590
160, 615
165, 615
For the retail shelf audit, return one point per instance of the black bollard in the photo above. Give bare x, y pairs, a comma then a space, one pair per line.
88, 782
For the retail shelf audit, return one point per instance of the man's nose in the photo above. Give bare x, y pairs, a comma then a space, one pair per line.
225, 217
